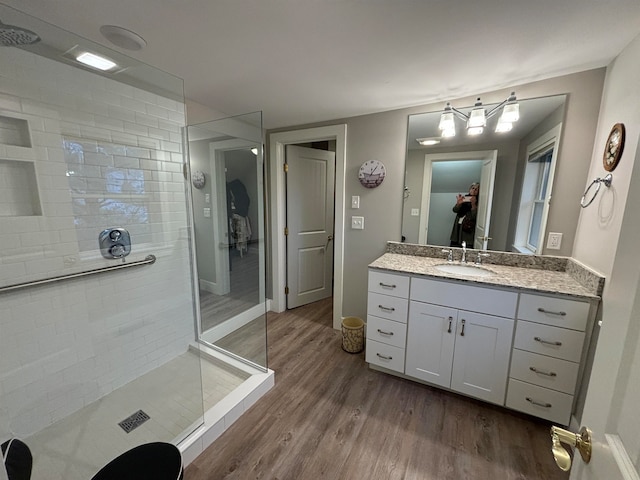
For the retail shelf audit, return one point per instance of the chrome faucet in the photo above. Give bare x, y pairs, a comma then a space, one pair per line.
449, 253
479, 257
464, 252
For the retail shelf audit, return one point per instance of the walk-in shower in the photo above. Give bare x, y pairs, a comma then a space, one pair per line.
98, 353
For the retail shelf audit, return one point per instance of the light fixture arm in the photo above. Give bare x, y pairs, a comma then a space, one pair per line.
458, 113
494, 110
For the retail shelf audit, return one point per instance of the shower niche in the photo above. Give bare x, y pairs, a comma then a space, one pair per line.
18, 189
14, 131
18, 186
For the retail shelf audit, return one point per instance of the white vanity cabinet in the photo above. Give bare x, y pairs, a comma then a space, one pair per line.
524, 351
387, 307
547, 353
467, 351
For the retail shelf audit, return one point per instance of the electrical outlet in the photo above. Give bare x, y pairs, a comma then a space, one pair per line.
357, 223
554, 241
355, 201
206, 212
415, 212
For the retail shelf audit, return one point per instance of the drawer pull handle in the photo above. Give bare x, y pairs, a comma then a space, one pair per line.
384, 357
542, 372
386, 285
532, 401
450, 321
387, 309
382, 332
547, 342
462, 331
542, 310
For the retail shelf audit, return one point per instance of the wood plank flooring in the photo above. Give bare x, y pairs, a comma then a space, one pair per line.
330, 417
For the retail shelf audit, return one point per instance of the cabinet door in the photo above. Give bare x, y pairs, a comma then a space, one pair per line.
481, 358
430, 341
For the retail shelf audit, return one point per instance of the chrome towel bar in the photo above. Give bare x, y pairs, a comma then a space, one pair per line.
149, 259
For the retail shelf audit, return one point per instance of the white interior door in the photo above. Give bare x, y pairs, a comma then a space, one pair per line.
485, 200
310, 216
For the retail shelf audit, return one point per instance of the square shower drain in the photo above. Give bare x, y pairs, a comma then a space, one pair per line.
134, 421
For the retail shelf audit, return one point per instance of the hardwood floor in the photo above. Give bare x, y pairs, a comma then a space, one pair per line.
330, 417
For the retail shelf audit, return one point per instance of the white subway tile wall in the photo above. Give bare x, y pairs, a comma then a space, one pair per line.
103, 154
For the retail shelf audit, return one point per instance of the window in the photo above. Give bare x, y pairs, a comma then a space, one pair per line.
536, 192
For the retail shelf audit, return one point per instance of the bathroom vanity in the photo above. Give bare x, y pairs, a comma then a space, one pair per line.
514, 334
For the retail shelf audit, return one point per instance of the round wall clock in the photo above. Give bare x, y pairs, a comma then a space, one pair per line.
372, 173
613, 148
198, 179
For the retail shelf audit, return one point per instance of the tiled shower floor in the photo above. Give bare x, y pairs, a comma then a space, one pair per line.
79, 445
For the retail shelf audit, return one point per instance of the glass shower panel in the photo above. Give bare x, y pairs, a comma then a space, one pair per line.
226, 165
102, 357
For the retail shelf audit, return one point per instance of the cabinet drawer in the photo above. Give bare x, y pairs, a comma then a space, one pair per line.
384, 355
385, 306
389, 284
465, 297
538, 401
547, 340
386, 331
544, 371
558, 312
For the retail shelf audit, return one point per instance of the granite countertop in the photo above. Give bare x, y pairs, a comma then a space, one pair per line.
558, 280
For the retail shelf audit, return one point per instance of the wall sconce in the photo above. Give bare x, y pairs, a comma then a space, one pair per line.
477, 119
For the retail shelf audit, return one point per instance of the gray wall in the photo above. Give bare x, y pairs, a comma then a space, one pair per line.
203, 227
383, 136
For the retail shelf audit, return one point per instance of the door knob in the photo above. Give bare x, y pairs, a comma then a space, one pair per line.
580, 440
329, 238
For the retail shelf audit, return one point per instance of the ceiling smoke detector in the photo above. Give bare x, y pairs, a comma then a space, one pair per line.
123, 38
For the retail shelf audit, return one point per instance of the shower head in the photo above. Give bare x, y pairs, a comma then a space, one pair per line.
12, 36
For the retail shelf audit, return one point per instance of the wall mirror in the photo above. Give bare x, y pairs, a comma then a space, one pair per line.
515, 171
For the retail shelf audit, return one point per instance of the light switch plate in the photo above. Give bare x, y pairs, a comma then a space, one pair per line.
415, 212
357, 223
554, 241
207, 198
355, 201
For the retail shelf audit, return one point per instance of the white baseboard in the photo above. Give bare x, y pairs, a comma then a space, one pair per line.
228, 326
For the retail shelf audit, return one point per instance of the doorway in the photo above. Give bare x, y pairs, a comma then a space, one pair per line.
446, 176
310, 186
278, 142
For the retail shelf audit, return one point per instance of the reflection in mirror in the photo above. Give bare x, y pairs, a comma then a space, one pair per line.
515, 171
226, 171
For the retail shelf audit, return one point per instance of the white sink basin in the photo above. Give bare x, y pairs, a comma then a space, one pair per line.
461, 269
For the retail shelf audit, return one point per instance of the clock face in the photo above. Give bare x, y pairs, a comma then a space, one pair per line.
198, 179
613, 148
372, 173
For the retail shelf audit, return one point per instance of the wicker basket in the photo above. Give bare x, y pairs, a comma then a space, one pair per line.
352, 334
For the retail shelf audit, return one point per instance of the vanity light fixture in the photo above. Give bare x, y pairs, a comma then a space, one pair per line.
428, 141
477, 118
96, 61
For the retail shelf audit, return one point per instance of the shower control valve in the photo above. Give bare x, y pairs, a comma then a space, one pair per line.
114, 243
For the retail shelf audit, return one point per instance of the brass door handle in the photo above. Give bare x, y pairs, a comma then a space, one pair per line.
581, 440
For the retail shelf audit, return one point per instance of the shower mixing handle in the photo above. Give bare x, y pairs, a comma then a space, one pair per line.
117, 250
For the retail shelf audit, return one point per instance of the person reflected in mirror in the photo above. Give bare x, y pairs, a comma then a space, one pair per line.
466, 210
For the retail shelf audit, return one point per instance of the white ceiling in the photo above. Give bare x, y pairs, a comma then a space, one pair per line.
303, 61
